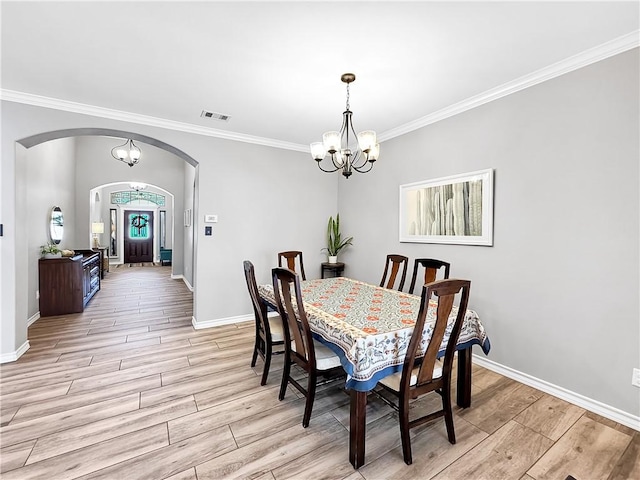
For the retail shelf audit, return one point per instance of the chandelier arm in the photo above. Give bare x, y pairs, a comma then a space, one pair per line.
359, 169
356, 158
328, 171
344, 129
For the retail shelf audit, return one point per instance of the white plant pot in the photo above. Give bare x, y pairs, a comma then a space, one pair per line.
333, 259
52, 255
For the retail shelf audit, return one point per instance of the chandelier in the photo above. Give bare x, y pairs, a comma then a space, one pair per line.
347, 150
128, 153
138, 186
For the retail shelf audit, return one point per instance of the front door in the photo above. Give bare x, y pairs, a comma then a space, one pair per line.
138, 236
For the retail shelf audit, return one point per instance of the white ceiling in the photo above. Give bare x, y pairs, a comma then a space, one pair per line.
275, 66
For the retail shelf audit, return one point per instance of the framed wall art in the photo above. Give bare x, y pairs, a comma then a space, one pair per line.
456, 210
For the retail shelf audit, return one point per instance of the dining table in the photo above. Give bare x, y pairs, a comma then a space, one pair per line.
369, 328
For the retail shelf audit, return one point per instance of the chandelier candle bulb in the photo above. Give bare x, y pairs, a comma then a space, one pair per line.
367, 140
373, 153
318, 151
331, 142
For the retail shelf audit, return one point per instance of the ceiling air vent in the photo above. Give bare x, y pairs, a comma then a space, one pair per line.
215, 116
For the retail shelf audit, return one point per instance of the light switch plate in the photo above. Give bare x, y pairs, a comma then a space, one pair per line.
211, 219
635, 379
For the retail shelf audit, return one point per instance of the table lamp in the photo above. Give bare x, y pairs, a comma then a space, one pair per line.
96, 228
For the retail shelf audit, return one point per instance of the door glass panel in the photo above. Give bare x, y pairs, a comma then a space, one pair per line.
139, 226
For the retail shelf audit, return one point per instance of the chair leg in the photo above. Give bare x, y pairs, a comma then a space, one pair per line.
285, 375
267, 364
403, 416
448, 413
311, 394
255, 350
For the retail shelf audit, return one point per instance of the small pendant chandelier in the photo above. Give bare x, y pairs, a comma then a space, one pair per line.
128, 153
348, 151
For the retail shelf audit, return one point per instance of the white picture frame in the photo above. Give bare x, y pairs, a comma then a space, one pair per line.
457, 209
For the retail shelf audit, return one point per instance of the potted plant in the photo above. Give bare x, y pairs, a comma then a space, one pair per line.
50, 250
335, 243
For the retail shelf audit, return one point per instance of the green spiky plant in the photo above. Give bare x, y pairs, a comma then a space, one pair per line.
335, 243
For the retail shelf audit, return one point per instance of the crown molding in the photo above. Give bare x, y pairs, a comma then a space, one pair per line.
84, 109
593, 55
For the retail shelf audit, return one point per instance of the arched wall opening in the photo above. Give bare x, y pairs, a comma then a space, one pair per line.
110, 214
80, 219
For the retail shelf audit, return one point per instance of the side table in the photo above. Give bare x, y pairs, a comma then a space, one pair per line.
335, 269
104, 260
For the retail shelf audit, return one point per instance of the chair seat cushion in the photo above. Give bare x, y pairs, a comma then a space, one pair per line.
325, 358
393, 381
275, 325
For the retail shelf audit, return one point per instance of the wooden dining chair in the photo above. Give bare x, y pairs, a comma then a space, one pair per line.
428, 374
269, 331
431, 267
291, 257
300, 347
396, 262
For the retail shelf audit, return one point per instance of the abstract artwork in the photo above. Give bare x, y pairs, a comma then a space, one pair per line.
457, 209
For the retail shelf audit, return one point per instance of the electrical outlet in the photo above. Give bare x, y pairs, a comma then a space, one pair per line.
37, 294
635, 379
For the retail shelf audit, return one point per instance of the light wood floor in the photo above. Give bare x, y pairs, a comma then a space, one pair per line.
129, 390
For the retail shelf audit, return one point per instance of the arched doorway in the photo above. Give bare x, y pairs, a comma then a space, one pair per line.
23, 293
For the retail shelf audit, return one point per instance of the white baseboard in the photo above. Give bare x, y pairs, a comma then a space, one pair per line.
220, 321
594, 406
181, 277
13, 356
33, 319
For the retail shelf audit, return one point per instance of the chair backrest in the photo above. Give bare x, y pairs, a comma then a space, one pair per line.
291, 256
446, 292
259, 305
286, 283
396, 262
431, 267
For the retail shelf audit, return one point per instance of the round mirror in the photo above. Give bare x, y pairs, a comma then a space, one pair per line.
56, 226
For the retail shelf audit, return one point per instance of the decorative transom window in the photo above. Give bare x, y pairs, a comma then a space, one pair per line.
125, 197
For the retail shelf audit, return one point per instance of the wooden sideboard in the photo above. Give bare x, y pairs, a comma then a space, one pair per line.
67, 284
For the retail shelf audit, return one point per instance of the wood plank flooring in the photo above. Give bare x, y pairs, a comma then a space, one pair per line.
129, 390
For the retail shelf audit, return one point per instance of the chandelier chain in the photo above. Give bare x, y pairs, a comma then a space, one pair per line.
348, 97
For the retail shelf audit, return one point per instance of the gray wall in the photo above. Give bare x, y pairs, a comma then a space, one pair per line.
558, 291
267, 200
50, 182
187, 232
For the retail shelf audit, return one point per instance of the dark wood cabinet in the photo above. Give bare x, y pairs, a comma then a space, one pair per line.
67, 284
